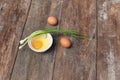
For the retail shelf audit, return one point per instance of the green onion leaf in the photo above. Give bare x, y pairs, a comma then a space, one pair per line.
72, 33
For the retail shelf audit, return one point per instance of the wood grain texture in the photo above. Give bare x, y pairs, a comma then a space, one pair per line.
78, 62
37, 66
12, 20
108, 57
94, 59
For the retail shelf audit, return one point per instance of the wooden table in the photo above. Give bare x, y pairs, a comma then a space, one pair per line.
94, 59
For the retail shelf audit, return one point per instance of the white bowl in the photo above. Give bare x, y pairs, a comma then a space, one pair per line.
43, 50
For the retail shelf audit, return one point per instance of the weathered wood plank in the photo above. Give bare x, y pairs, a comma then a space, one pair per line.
108, 57
30, 65
13, 14
78, 62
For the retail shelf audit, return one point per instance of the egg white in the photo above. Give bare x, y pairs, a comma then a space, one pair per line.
48, 36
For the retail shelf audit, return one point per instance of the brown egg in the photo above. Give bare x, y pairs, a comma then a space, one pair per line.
65, 42
52, 20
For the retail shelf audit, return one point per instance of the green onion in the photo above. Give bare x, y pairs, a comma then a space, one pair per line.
72, 33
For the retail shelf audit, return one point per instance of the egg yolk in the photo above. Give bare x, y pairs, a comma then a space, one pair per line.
37, 43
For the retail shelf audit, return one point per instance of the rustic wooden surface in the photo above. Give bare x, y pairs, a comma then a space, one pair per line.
108, 55
94, 59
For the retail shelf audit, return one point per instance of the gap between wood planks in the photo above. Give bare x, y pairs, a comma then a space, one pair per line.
96, 36
20, 39
56, 49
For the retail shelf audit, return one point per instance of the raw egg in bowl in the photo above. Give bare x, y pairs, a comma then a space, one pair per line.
41, 43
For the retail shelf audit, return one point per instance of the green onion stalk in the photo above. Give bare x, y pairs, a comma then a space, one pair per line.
72, 33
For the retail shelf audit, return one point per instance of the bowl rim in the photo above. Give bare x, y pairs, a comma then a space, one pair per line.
51, 42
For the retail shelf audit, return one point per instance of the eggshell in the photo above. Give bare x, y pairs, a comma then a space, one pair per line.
44, 50
52, 20
65, 42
